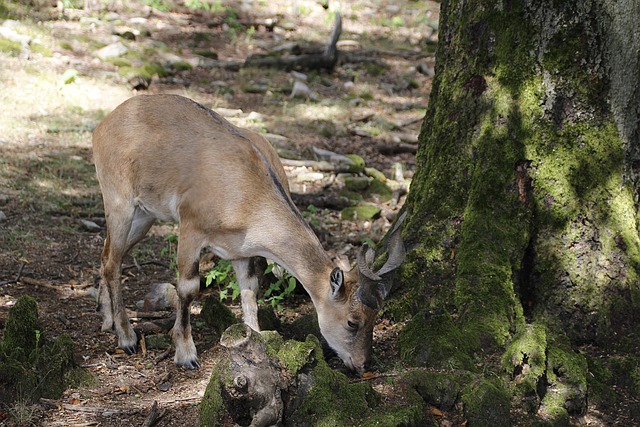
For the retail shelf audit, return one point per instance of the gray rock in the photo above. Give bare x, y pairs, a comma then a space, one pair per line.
3, 216
90, 226
113, 50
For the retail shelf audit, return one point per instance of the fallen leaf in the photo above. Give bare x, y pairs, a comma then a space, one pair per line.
437, 412
367, 375
74, 401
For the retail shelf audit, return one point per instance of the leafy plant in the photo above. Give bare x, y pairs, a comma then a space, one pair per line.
171, 250
279, 290
310, 215
209, 6
222, 274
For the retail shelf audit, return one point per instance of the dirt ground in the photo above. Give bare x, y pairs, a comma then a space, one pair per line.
52, 98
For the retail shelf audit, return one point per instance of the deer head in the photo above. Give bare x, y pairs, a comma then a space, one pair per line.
356, 297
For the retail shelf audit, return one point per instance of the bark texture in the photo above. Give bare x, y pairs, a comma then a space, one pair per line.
523, 214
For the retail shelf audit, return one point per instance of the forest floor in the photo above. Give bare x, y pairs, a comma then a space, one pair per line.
55, 90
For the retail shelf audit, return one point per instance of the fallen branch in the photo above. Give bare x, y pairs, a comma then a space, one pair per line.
137, 265
321, 166
322, 201
325, 60
87, 409
390, 149
146, 314
154, 415
17, 279
372, 377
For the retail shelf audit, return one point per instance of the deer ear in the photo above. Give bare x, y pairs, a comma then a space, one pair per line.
336, 281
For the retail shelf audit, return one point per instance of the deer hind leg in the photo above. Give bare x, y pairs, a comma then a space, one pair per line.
125, 227
188, 289
250, 275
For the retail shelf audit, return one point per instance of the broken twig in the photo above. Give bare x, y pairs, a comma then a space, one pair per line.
17, 279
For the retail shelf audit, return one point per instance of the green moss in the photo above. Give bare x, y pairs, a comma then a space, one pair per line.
118, 61
525, 360
567, 385
375, 174
216, 316
331, 400
10, 47
360, 212
356, 183
380, 189
28, 362
41, 49
22, 328
358, 163
181, 66
147, 71
435, 341
486, 403
212, 409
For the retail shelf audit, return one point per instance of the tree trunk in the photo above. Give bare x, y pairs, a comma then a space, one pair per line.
524, 248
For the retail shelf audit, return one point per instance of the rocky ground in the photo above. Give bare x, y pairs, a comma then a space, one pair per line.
61, 71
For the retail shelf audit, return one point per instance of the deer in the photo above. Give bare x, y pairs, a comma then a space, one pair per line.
166, 157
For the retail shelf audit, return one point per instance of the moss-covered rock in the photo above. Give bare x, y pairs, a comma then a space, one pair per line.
360, 212
216, 316
29, 362
358, 163
487, 403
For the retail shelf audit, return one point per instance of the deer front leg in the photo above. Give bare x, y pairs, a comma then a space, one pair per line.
188, 288
250, 274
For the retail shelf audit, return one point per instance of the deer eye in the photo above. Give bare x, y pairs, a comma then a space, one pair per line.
352, 325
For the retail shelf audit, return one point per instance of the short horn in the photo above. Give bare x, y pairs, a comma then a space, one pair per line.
397, 253
395, 248
368, 289
364, 256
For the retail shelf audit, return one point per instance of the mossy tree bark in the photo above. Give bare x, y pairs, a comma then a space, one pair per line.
523, 213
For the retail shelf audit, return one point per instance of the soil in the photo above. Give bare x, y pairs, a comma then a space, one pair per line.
48, 184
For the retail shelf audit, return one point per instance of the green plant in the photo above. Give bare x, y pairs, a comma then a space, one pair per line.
279, 290
171, 250
223, 275
209, 6
161, 5
310, 215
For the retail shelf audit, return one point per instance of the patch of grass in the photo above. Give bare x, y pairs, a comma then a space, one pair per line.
161, 5
10, 47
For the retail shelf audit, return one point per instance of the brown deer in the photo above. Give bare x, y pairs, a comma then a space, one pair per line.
169, 158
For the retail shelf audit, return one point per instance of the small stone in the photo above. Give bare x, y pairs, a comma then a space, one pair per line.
3, 216
90, 225
4, 199
301, 90
309, 177
113, 50
158, 342
298, 76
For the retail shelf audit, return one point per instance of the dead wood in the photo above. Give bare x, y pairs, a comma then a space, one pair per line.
323, 61
322, 201
321, 166
155, 414
17, 279
86, 409
390, 148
